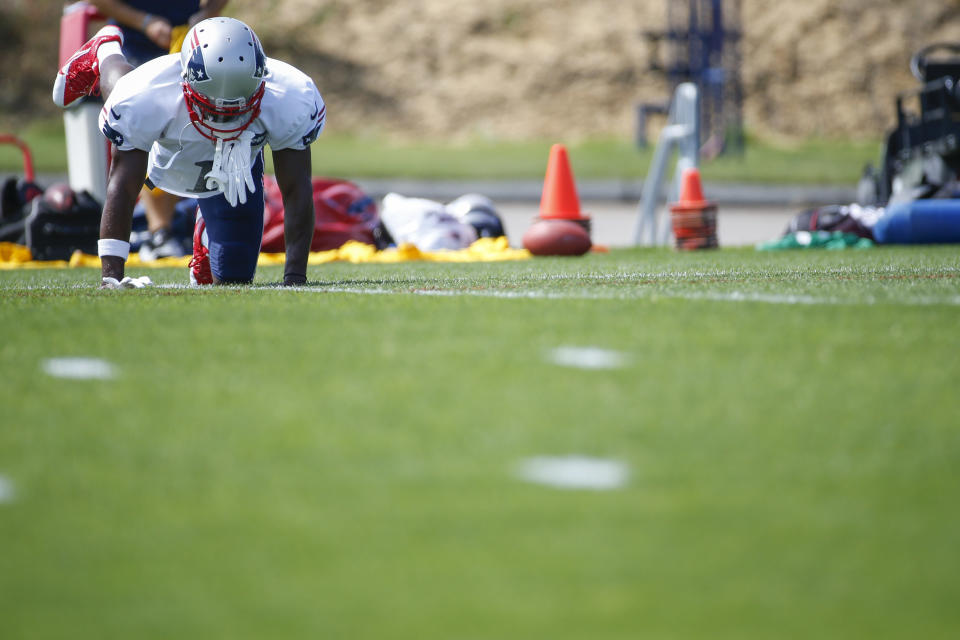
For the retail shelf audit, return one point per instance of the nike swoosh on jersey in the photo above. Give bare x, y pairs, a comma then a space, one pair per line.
115, 115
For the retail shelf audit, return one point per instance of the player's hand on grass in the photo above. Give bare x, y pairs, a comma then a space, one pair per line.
294, 279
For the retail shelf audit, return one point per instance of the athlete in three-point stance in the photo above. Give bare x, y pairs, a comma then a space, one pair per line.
195, 125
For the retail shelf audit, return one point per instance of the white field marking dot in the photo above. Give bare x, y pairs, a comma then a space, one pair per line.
587, 358
574, 472
7, 492
79, 368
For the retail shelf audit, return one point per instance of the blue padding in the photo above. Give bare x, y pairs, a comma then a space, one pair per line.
920, 222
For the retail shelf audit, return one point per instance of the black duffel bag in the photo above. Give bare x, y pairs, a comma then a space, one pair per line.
60, 222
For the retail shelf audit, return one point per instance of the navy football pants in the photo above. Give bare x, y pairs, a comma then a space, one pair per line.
234, 233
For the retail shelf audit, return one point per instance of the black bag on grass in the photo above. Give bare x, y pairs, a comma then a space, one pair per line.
830, 218
60, 222
15, 198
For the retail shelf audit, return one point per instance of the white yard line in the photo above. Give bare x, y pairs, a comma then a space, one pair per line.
623, 293
715, 296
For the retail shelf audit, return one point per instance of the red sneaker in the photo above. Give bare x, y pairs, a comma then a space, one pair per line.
200, 262
80, 76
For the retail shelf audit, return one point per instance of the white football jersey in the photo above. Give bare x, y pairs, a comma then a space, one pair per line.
146, 111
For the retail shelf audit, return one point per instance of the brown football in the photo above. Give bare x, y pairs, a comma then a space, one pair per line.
59, 197
556, 237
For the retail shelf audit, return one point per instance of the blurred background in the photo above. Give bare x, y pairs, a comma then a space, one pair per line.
543, 69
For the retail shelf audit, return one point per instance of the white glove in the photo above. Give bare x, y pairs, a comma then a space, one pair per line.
239, 167
126, 283
231, 172
216, 178
136, 283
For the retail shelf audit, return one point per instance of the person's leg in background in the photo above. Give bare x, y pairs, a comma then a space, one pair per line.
98, 64
159, 207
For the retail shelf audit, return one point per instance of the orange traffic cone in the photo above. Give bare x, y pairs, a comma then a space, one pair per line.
691, 189
694, 219
559, 199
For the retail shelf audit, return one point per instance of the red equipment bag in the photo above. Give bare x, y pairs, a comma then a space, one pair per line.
344, 212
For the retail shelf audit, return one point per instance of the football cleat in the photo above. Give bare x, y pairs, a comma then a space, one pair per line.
80, 76
160, 244
200, 272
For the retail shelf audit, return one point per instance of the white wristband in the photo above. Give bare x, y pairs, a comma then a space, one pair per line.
111, 247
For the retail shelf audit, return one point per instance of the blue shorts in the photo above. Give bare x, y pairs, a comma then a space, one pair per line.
234, 233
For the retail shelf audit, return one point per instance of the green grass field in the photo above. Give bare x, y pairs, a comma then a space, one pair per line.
340, 461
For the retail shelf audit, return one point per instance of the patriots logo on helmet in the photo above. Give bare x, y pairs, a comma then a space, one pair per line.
112, 134
260, 59
196, 69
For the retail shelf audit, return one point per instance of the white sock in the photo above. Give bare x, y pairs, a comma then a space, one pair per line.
108, 49
112, 48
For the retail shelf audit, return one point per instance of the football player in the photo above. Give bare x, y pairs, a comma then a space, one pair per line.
195, 125
151, 29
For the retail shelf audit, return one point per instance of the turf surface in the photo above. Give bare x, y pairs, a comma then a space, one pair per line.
339, 461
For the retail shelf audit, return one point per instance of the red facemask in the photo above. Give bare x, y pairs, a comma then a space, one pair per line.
204, 114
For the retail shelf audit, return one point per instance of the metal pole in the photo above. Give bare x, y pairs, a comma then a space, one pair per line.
681, 135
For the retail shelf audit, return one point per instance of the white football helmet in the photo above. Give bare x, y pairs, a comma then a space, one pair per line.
479, 212
223, 70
